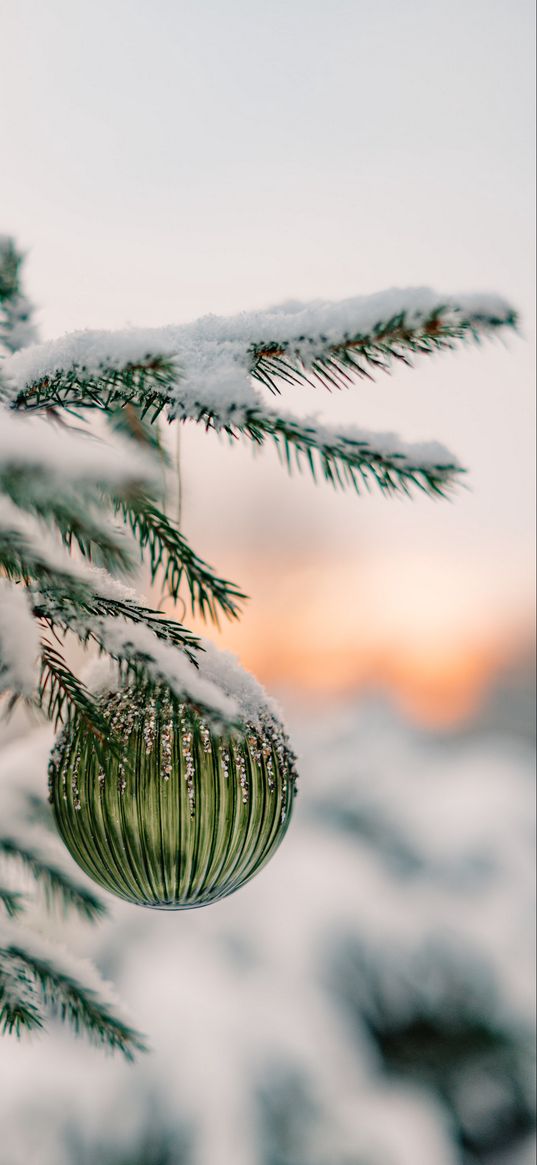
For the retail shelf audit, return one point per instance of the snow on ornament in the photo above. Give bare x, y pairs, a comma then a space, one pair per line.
184, 814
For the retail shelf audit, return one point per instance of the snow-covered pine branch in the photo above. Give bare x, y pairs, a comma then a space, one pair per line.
63, 477
56, 485
36, 978
68, 500
383, 327
206, 371
169, 553
55, 883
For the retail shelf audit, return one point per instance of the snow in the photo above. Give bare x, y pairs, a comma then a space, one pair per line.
36, 946
223, 669
219, 682
388, 446
19, 640
309, 327
52, 555
165, 663
33, 445
211, 358
44, 547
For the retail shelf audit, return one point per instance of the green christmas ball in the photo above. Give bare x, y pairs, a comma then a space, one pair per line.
181, 815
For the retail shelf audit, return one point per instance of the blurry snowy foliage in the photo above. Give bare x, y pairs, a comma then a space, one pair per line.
368, 1001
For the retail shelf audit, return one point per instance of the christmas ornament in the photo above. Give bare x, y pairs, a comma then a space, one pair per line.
183, 815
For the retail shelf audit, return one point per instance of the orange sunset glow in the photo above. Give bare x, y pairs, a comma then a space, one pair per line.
326, 631
436, 684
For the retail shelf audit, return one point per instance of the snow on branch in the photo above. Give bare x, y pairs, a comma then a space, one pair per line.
138, 646
349, 457
56, 883
58, 455
64, 594
218, 685
63, 476
253, 703
29, 552
207, 371
19, 640
287, 342
170, 554
36, 977
385, 325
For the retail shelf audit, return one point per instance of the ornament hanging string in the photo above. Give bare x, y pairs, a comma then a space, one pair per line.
164, 593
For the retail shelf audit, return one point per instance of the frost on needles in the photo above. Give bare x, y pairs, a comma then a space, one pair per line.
213, 370
81, 507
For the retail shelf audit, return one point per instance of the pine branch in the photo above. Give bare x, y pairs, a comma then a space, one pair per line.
146, 654
70, 596
20, 1009
10, 265
323, 343
146, 384
335, 364
19, 640
327, 343
68, 998
57, 886
86, 612
61, 695
126, 420
170, 553
74, 514
67, 477
29, 555
11, 900
21, 559
356, 459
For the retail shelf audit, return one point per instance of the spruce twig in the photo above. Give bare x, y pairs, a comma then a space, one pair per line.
170, 553
57, 886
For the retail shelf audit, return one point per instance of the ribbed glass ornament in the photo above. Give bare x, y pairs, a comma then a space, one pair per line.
183, 816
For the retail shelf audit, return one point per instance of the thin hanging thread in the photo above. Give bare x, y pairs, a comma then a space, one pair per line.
164, 594
178, 476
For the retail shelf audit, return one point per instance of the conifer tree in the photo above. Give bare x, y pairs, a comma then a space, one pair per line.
81, 506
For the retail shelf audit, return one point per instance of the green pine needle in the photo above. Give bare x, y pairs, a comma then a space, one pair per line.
342, 461
171, 554
20, 1009
146, 385
56, 885
61, 693
11, 900
365, 354
70, 1000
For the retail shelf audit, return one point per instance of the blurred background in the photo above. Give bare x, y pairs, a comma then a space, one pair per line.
368, 999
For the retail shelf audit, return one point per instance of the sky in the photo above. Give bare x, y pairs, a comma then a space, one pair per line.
166, 160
